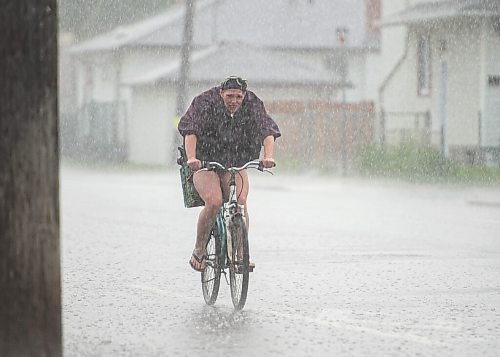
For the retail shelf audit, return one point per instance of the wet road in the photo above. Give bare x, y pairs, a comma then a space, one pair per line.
344, 267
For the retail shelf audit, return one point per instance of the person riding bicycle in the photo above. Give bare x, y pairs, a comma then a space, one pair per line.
228, 124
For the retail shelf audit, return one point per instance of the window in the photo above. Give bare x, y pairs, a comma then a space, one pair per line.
496, 26
424, 65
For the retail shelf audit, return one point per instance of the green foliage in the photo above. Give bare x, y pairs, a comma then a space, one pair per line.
289, 162
415, 163
87, 18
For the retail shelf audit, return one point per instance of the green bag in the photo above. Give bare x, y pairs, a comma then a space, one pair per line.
191, 196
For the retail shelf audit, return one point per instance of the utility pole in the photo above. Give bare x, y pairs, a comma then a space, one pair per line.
30, 280
183, 79
341, 37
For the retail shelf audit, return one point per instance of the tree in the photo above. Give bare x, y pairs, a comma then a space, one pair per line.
30, 286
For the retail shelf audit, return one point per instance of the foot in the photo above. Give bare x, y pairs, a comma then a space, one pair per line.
251, 265
239, 268
197, 263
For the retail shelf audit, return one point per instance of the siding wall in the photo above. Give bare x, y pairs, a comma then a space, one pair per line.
491, 101
150, 127
461, 53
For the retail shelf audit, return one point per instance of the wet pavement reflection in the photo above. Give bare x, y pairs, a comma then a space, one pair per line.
344, 267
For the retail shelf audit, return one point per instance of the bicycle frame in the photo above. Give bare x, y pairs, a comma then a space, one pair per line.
230, 220
230, 208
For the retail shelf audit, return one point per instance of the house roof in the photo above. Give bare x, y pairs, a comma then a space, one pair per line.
272, 24
255, 64
123, 36
434, 10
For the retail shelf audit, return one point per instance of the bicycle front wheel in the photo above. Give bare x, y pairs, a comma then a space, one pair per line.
210, 276
239, 264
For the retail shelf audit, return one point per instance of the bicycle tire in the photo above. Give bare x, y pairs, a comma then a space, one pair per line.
239, 263
210, 276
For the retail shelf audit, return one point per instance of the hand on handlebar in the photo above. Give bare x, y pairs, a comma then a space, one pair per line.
268, 162
194, 164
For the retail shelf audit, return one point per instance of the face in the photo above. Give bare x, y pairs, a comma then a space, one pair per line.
232, 99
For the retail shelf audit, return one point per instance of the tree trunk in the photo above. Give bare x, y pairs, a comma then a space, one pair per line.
30, 281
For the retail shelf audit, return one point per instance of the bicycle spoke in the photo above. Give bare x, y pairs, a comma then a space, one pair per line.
210, 277
240, 260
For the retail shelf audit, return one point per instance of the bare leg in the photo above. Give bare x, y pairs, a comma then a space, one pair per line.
207, 184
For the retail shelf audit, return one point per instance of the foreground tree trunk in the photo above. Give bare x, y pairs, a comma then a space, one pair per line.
30, 287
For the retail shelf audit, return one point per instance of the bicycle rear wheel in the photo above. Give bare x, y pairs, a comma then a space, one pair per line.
210, 276
240, 260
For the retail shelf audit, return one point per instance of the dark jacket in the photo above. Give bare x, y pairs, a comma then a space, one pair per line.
231, 141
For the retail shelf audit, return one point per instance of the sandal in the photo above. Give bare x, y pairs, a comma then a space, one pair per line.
238, 268
197, 263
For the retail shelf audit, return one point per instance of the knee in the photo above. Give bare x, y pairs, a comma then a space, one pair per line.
242, 201
214, 204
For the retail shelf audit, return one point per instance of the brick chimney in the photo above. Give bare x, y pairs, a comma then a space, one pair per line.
373, 12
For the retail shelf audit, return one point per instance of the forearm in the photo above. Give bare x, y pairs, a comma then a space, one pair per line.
190, 145
268, 146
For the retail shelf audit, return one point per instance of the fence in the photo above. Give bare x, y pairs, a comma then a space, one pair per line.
399, 127
321, 134
94, 133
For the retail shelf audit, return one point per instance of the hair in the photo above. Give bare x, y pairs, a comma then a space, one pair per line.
234, 82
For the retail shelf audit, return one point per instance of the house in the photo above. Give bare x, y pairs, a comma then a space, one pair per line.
444, 86
293, 52
276, 77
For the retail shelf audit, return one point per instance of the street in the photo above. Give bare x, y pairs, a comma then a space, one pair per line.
344, 266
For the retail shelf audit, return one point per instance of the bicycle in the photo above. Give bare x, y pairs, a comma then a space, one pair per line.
227, 245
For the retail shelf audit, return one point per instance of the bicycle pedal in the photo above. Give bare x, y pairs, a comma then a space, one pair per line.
240, 269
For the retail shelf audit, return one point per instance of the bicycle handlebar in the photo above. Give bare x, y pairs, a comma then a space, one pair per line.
255, 164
